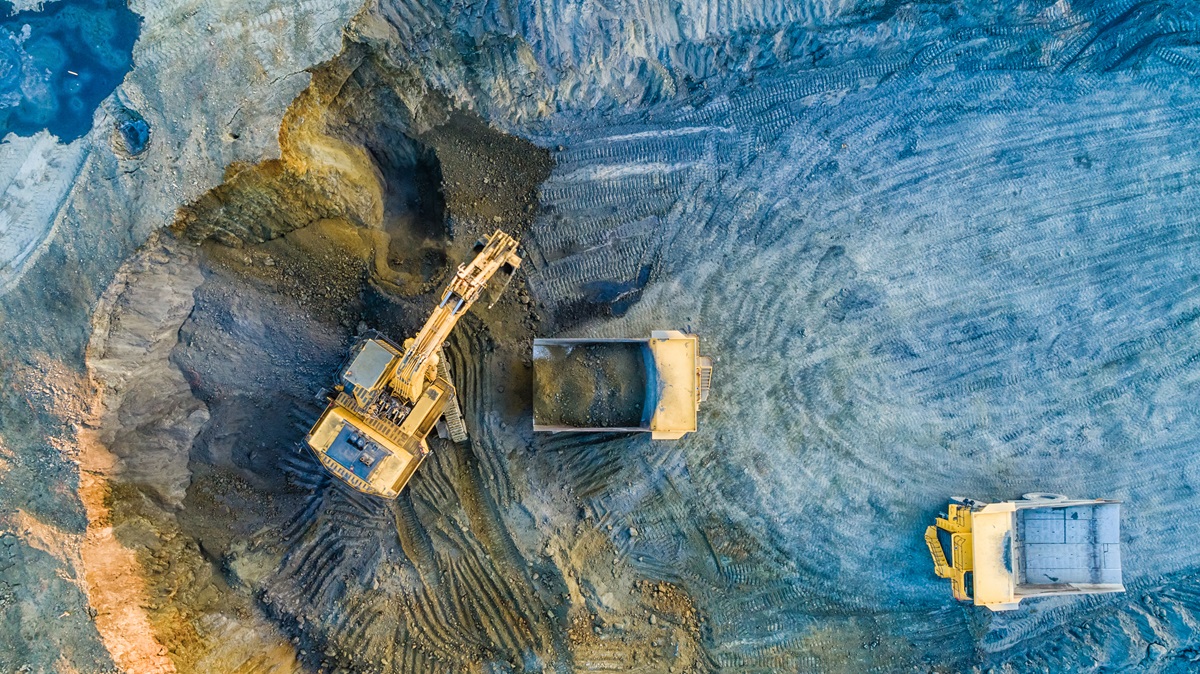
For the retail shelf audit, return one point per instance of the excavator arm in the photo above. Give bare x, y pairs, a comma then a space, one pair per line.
418, 366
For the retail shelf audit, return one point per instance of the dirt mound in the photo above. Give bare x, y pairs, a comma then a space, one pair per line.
599, 385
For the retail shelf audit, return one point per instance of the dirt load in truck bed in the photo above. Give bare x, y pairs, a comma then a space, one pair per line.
591, 385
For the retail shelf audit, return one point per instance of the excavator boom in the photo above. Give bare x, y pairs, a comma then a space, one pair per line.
372, 434
419, 363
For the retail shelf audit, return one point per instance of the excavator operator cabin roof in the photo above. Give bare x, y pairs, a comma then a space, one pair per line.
370, 364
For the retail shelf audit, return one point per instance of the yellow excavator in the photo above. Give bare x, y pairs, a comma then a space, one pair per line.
372, 434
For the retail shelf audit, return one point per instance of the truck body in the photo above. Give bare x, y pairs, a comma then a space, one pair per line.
996, 554
650, 385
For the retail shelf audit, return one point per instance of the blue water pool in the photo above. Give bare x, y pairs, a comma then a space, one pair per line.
58, 64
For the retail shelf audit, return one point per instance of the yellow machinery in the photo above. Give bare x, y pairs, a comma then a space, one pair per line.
372, 434
652, 385
996, 554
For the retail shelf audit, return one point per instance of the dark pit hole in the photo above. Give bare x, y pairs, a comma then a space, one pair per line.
414, 215
131, 133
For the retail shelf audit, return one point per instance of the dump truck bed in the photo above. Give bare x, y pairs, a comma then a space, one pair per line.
592, 385
654, 385
1077, 545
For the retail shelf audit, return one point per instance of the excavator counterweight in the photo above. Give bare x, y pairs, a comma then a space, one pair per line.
372, 434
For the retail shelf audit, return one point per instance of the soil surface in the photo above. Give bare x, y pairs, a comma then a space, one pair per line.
934, 249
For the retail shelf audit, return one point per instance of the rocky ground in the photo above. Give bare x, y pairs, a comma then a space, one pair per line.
935, 250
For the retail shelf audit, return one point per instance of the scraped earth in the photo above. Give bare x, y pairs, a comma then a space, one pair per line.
935, 250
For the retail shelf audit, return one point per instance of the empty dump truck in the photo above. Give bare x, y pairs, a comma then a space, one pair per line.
654, 385
996, 554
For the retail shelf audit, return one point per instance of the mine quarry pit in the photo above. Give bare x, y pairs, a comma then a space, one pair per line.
258, 533
933, 249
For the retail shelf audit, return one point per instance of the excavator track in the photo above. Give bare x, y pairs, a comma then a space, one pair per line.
453, 413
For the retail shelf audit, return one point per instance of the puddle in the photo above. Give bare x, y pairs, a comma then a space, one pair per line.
58, 64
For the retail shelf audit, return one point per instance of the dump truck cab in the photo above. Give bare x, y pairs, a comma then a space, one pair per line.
996, 554
651, 385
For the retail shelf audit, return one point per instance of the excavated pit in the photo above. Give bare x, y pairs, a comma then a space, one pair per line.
252, 556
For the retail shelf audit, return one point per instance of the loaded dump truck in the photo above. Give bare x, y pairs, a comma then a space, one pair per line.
651, 385
996, 554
